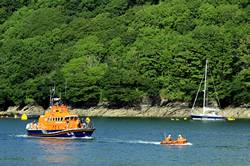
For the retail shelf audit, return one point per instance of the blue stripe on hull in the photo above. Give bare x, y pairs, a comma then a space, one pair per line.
61, 133
197, 117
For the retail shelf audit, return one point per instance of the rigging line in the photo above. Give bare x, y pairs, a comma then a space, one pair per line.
197, 93
216, 94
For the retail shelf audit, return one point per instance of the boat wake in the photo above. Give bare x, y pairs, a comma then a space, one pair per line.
143, 142
21, 136
108, 140
139, 142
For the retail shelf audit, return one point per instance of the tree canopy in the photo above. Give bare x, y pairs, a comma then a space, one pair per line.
123, 52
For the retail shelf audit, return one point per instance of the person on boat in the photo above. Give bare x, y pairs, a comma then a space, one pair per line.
168, 138
33, 125
181, 139
79, 124
67, 124
82, 125
88, 122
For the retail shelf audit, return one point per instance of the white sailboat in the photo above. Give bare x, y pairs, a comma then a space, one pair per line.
208, 113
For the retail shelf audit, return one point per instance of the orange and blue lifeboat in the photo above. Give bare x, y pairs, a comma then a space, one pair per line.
59, 122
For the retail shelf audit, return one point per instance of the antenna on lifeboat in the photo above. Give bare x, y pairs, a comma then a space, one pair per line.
65, 89
52, 94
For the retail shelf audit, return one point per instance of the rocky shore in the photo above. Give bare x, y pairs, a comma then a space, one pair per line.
146, 112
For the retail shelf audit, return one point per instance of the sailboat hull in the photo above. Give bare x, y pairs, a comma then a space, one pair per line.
208, 117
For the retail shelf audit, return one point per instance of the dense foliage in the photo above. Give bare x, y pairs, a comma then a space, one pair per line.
123, 52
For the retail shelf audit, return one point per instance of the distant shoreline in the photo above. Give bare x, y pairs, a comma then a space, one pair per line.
147, 112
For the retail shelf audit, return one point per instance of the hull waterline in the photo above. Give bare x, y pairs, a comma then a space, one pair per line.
78, 133
208, 118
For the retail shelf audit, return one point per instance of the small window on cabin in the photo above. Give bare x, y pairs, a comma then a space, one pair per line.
57, 110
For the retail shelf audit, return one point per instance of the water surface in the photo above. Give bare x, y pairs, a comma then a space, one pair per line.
130, 141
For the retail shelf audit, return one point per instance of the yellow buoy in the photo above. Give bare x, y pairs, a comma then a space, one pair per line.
230, 118
87, 120
24, 117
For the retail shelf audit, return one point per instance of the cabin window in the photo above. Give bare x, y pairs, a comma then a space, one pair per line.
57, 110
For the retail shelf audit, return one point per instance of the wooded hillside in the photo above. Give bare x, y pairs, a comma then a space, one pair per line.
123, 52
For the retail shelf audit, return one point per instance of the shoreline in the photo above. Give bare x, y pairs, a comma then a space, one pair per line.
146, 112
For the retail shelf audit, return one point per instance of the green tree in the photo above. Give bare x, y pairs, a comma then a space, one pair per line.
83, 75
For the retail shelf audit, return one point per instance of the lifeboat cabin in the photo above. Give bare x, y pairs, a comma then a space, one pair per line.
59, 122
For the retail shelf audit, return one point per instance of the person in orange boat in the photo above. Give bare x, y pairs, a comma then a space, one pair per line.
181, 139
168, 138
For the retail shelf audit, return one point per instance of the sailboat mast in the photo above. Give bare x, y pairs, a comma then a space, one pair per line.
205, 88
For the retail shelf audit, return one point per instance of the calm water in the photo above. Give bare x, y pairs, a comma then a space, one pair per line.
122, 142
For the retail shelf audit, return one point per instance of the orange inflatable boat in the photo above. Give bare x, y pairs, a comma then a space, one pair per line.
175, 142
178, 141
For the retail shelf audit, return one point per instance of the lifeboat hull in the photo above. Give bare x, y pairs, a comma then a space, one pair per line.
75, 133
